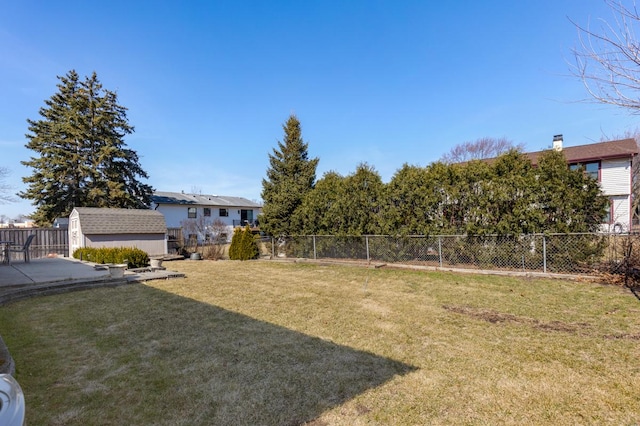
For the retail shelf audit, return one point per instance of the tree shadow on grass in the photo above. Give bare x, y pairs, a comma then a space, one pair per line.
188, 362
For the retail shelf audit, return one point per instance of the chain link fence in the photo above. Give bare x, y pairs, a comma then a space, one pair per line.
547, 253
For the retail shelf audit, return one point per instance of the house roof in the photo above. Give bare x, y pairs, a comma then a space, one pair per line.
120, 221
623, 148
202, 200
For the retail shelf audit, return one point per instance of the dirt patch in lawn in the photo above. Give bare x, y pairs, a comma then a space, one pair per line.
499, 317
496, 317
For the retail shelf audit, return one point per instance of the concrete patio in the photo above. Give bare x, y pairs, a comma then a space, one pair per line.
39, 271
60, 274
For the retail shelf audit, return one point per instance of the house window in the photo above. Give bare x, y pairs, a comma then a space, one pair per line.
591, 169
192, 212
207, 211
224, 212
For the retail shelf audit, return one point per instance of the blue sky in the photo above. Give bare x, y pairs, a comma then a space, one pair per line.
208, 84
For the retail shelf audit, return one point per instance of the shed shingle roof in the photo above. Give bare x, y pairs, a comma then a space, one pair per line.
120, 221
202, 200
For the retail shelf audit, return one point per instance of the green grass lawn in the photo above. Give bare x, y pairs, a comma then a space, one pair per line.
267, 343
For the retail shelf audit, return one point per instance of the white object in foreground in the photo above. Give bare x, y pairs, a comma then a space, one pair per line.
117, 270
12, 405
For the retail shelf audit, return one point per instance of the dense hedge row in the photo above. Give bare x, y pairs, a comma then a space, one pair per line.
133, 257
506, 196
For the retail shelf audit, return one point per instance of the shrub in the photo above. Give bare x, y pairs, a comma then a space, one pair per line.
214, 251
134, 257
243, 245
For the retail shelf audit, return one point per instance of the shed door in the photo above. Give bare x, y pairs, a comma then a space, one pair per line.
74, 235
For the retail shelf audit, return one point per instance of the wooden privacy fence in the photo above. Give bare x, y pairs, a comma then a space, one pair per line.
47, 241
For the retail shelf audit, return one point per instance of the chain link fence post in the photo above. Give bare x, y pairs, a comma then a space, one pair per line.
544, 254
366, 240
315, 254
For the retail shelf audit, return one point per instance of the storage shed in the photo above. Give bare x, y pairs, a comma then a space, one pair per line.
105, 227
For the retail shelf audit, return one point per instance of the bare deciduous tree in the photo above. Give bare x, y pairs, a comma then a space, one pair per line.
480, 149
4, 188
205, 236
607, 58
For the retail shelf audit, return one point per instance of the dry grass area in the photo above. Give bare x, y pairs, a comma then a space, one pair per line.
268, 343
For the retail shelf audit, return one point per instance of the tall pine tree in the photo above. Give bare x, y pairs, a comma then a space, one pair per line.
82, 158
319, 212
290, 177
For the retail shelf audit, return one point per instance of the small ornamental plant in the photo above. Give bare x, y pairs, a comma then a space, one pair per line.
243, 245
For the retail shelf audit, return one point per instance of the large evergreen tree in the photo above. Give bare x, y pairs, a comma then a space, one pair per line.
507, 196
82, 157
511, 200
408, 205
570, 200
361, 202
319, 212
290, 177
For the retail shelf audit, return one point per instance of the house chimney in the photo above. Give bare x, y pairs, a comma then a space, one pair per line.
557, 142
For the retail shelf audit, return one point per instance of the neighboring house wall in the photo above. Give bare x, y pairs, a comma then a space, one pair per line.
175, 214
615, 174
620, 214
28, 224
178, 208
615, 181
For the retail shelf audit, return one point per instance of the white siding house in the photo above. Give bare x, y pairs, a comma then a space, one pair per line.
615, 181
204, 210
612, 164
